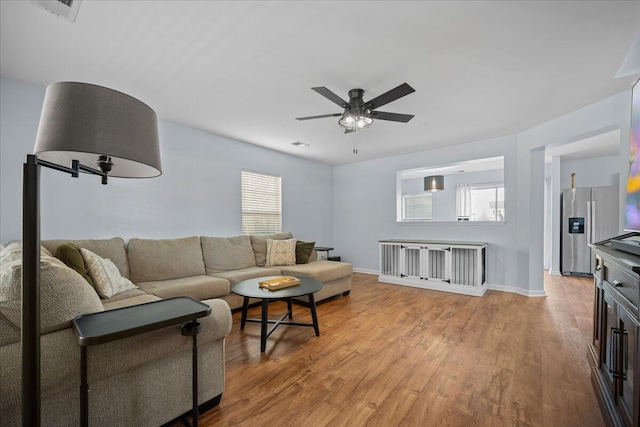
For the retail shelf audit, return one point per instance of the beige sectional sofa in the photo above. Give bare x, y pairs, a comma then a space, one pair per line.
143, 380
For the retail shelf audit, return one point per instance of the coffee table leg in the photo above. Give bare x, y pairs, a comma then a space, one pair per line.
314, 316
263, 332
245, 307
290, 308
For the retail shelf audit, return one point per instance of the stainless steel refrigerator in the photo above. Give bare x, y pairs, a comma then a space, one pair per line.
589, 215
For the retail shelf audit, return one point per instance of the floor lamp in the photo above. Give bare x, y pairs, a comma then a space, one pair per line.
83, 128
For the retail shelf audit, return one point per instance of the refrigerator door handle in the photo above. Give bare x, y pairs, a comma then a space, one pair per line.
592, 212
589, 221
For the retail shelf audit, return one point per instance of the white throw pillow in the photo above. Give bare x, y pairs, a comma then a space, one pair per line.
105, 275
281, 252
13, 252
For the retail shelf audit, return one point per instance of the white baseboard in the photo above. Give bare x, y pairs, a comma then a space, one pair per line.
365, 271
514, 290
555, 272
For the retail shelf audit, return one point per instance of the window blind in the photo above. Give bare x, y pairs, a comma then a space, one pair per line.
261, 203
417, 206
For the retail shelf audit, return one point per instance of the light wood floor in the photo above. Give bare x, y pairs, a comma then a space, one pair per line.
391, 355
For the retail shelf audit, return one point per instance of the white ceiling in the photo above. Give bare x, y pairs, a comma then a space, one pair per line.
244, 69
605, 144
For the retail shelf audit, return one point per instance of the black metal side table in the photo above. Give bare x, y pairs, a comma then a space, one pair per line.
106, 326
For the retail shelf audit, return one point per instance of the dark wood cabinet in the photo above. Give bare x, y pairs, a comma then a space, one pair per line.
614, 349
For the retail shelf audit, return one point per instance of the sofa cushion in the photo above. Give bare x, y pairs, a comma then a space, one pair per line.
105, 275
198, 287
281, 252
127, 302
227, 253
9, 333
324, 271
72, 258
131, 293
166, 259
235, 276
259, 244
304, 251
64, 295
114, 249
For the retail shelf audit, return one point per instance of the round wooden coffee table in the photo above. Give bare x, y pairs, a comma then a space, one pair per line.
250, 289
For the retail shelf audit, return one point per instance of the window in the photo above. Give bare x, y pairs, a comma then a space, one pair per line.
261, 203
416, 207
487, 202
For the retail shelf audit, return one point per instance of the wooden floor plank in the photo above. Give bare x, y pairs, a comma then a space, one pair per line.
393, 355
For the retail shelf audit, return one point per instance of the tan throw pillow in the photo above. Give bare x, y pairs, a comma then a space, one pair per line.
281, 252
259, 244
106, 276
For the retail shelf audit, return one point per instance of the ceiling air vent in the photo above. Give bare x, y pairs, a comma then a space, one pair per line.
67, 9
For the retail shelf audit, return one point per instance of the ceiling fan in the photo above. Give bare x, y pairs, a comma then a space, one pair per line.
359, 114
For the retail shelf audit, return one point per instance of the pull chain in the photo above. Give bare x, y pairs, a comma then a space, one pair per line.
355, 141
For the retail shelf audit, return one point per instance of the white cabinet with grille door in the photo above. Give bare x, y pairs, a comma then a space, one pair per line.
459, 267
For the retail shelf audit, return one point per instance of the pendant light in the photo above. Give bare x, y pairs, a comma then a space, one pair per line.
434, 183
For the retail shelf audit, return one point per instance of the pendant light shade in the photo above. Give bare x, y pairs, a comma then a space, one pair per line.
94, 124
434, 183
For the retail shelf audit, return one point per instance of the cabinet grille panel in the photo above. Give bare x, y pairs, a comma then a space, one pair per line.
464, 262
390, 260
412, 262
437, 265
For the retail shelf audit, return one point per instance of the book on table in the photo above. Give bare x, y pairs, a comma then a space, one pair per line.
279, 283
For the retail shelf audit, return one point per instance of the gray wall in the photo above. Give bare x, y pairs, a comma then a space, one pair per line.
595, 172
197, 194
364, 196
365, 208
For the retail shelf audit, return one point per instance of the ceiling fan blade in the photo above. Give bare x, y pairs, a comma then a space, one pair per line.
330, 96
319, 117
398, 92
393, 117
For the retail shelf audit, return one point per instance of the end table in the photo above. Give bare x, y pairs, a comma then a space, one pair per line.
106, 326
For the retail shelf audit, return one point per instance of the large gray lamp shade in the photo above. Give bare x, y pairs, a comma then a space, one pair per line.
82, 121
434, 183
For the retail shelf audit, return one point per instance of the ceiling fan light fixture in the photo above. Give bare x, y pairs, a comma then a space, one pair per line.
364, 122
350, 121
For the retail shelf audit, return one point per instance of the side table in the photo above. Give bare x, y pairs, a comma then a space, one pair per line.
106, 326
323, 249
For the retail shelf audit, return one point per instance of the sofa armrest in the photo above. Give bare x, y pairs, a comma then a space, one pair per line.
60, 354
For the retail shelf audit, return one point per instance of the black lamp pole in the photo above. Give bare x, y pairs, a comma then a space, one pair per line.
31, 292
31, 277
